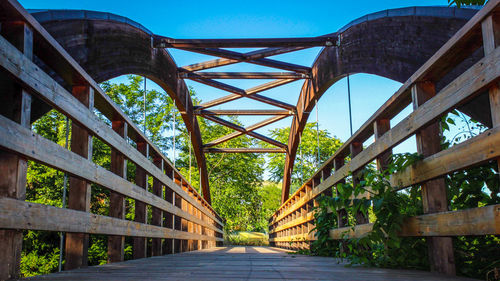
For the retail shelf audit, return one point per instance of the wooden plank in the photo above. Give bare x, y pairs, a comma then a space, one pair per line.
116, 244
469, 222
434, 198
141, 180
357, 148
242, 130
471, 152
16, 105
473, 81
490, 28
76, 248
17, 214
460, 46
244, 150
63, 64
54, 94
243, 75
298, 221
166, 42
24, 142
156, 216
245, 131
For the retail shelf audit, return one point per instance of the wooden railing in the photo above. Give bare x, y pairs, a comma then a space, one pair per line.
181, 219
291, 225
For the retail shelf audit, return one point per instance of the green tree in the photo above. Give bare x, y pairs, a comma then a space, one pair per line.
460, 3
306, 162
234, 178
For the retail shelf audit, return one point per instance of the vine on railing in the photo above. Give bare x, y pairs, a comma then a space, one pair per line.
387, 209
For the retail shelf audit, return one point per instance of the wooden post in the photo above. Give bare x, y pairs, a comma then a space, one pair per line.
116, 244
177, 220
380, 127
491, 37
169, 218
141, 180
356, 148
157, 213
79, 190
434, 191
15, 103
342, 213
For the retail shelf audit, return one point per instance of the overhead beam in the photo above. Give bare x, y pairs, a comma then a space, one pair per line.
244, 112
251, 91
240, 57
249, 57
246, 131
243, 75
241, 129
244, 150
166, 42
241, 93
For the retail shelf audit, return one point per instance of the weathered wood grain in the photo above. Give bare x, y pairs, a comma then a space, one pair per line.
24, 142
45, 87
17, 214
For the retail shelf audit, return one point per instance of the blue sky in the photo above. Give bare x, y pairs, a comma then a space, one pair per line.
239, 19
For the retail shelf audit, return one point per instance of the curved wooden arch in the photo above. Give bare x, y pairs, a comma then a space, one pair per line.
107, 46
391, 44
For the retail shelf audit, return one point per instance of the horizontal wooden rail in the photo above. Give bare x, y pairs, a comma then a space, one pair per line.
476, 221
30, 76
63, 64
22, 141
475, 80
292, 225
17, 214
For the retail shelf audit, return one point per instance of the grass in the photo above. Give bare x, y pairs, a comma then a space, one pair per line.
247, 238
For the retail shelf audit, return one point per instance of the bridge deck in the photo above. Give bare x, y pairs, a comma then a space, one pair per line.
238, 263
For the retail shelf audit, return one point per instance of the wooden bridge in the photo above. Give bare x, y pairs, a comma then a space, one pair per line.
39, 72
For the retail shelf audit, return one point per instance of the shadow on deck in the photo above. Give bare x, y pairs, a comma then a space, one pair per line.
238, 263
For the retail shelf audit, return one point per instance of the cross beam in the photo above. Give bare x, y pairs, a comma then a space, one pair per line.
240, 57
244, 150
249, 57
245, 131
244, 75
240, 93
242, 130
244, 112
167, 42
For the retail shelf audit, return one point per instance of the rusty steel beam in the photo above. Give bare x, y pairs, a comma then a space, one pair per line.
246, 130
243, 75
239, 57
251, 91
241, 129
320, 41
240, 93
249, 57
244, 150
244, 112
